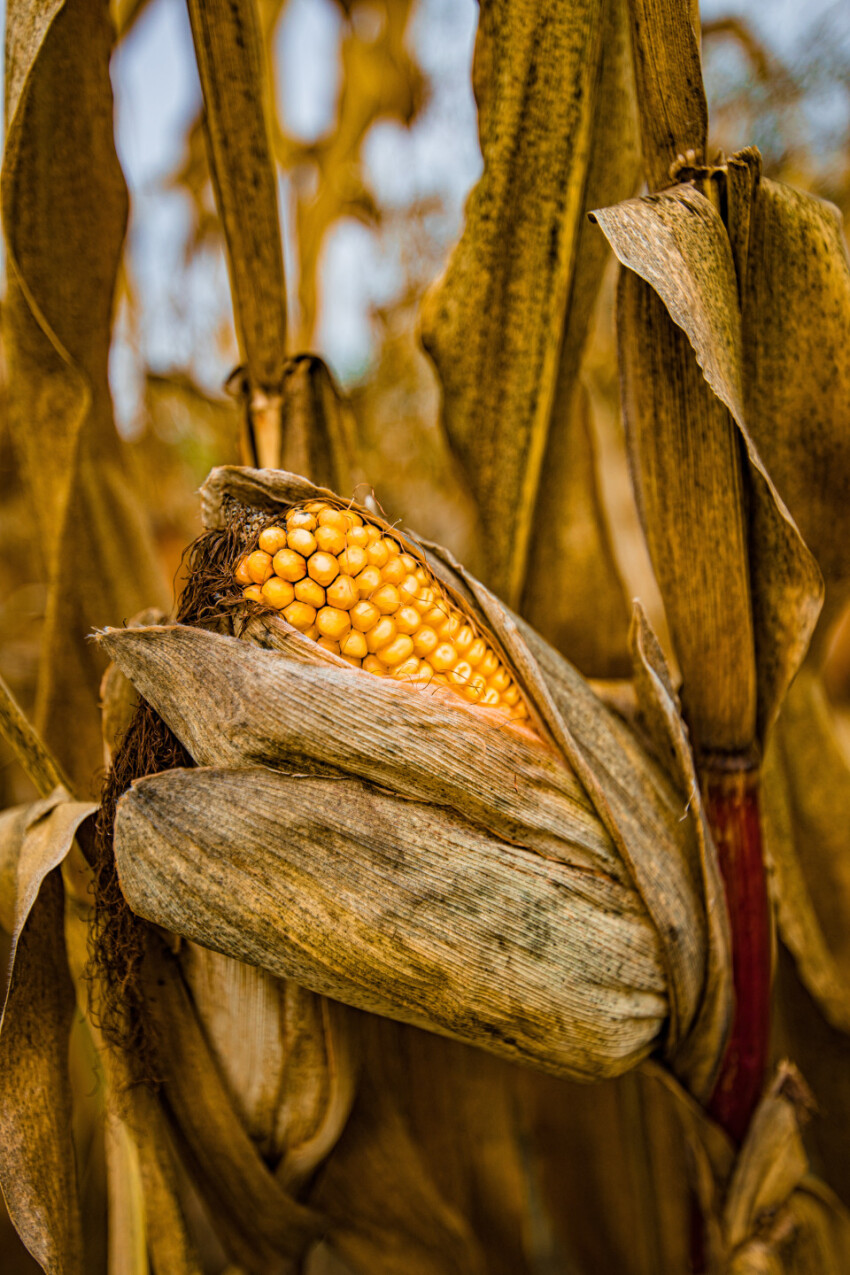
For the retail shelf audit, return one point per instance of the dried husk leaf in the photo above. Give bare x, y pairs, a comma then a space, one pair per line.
796, 315
400, 909
257, 1219
670, 93
677, 243
500, 322
64, 227
37, 1170
806, 807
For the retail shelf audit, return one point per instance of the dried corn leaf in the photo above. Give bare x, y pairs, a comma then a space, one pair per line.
806, 808
256, 1218
398, 908
37, 1170
232, 70
677, 243
385, 1209
670, 92
573, 592
796, 315
64, 226
500, 323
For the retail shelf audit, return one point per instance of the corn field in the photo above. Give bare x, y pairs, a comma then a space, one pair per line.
425, 832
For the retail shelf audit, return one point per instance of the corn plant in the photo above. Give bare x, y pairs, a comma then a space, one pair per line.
395, 942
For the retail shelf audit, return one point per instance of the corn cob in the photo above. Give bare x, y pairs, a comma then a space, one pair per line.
347, 584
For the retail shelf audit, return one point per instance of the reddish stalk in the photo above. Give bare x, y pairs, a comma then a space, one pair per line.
731, 793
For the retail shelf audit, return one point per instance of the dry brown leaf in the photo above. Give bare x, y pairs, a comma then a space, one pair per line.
496, 323
796, 316
806, 821
678, 245
232, 70
64, 226
37, 1170
670, 93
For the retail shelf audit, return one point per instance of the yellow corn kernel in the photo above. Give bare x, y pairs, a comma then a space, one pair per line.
490, 698
476, 652
335, 518
425, 641
300, 520
373, 665
500, 680
364, 616
333, 623
328, 644
489, 664
463, 641
343, 593
289, 565
373, 534
386, 599
302, 541
475, 689
461, 673
510, 697
358, 537
378, 553
323, 567
253, 593
314, 507
330, 539
354, 520
443, 658
424, 601
352, 560
368, 581
423, 577
351, 659
312, 633
259, 566
394, 571
272, 539
277, 593
409, 589
300, 615
435, 617
395, 652
408, 620
308, 591
354, 644
242, 575
382, 633
450, 626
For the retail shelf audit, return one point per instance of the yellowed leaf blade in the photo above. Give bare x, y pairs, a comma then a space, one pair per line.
807, 836
233, 79
399, 908
64, 223
37, 1169
670, 93
494, 324
257, 1219
573, 592
676, 242
796, 316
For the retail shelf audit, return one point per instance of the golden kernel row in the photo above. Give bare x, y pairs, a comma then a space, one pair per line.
353, 589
